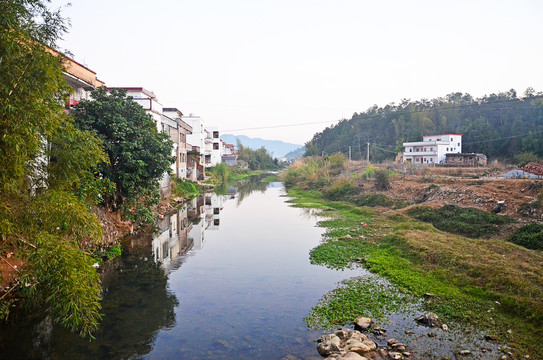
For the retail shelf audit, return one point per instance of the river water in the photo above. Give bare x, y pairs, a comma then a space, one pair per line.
226, 277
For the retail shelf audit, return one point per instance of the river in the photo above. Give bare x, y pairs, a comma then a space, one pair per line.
223, 277
227, 276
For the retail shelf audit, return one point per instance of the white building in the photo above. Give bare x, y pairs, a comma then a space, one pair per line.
206, 138
432, 149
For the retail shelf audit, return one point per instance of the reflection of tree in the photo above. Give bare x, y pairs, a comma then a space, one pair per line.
136, 305
249, 185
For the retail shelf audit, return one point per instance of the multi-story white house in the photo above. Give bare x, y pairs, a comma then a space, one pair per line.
206, 138
432, 149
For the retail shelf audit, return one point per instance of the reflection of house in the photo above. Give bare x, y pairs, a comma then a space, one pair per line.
172, 239
466, 159
196, 214
432, 149
213, 208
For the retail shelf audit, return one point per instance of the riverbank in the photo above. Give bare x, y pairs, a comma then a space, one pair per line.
482, 284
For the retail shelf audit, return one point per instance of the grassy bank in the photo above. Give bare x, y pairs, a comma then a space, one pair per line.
490, 284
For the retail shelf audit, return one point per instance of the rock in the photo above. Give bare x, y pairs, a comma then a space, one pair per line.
464, 352
383, 353
362, 323
444, 327
406, 354
429, 319
353, 356
428, 295
395, 355
335, 344
324, 350
432, 334
342, 334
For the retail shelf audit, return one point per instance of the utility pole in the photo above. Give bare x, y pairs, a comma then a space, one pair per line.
368, 153
349, 153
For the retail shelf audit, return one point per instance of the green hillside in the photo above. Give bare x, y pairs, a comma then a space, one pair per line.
498, 125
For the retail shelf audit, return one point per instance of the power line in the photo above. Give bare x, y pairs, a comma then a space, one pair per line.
285, 125
394, 112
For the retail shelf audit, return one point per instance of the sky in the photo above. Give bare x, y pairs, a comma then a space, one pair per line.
263, 67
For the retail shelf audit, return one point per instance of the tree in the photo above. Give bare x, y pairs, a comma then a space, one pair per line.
43, 225
139, 155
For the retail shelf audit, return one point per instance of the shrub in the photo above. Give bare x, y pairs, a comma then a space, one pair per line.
336, 163
382, 181
368, 172
340, 189
525, 158
373, 200
529, 236
467, 222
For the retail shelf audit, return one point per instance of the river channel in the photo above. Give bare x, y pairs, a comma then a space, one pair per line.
225, 277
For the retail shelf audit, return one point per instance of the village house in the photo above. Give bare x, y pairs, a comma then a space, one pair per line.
466, 160
79, 77
179, 137
206, 138
229, 154
432, 149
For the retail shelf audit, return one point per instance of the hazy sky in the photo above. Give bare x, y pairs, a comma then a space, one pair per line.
249, 63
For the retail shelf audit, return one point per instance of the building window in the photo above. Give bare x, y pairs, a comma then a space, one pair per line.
424, 149
216, 146
215, 134
458, 144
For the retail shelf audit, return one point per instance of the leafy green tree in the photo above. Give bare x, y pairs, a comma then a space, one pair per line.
43, 157
139, 155
257, 159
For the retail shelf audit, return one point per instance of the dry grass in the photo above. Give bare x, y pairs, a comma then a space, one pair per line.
494, 265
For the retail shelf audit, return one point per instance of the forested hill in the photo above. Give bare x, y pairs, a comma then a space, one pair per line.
498, 125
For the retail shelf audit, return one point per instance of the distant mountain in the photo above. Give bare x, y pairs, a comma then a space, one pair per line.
298, 153
276, 148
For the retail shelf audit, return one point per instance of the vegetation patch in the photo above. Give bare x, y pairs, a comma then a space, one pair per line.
529, 236
337, 254
373, 199
185, 188
367, 296
340, 189
468, 222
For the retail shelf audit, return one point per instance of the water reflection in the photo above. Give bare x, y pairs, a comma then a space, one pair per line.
218, 279
184, 229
